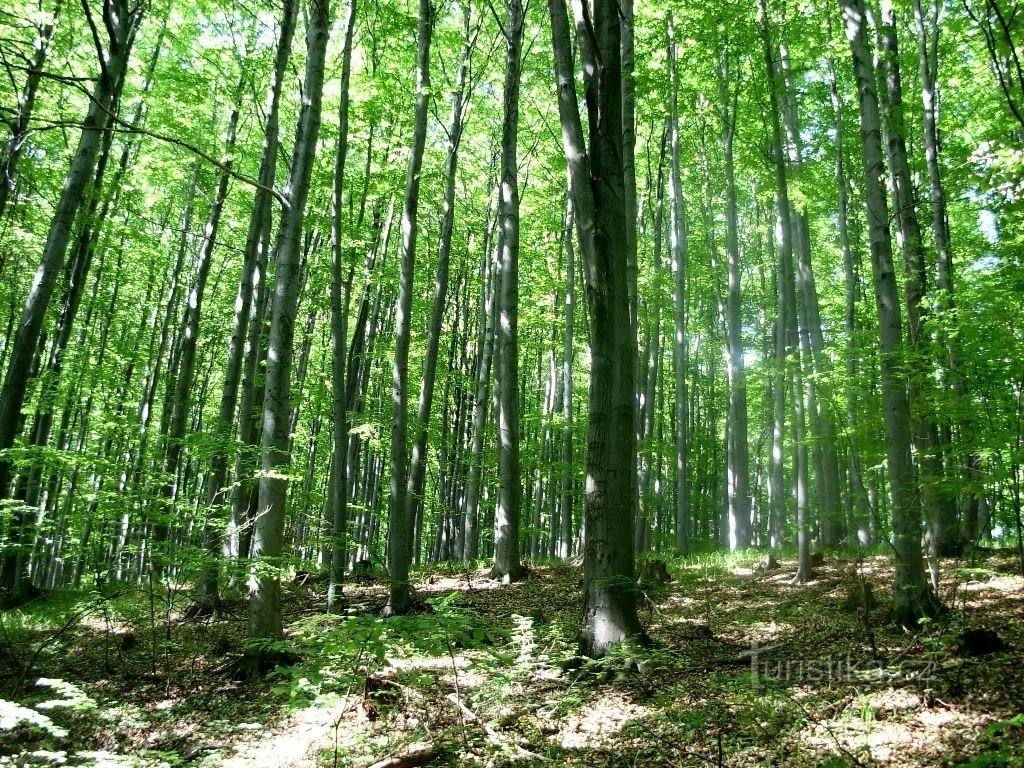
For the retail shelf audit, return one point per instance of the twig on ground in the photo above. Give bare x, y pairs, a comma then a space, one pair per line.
492, 735
411, 760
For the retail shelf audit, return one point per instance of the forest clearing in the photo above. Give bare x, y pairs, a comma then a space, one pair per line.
744, 669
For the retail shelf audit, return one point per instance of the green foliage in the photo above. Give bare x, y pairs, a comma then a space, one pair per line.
999, 754
337, 653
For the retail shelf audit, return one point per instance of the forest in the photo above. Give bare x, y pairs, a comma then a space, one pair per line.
391, 383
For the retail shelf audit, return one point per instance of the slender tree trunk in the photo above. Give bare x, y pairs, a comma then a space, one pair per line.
647, 512
815, 366
399, 522
678, 255
418, 460
268, 527
510, 490
912, 598
565, 505
481, 402
941, 513
241, 330
858, 524
184, 379
928, 42
787, 349
738, 456
341, 291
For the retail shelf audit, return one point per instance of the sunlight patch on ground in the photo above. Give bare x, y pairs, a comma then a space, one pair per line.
681, 601
895, 728
601, 723
428, 662
477, 582
293, 744
762, 632
1003, 583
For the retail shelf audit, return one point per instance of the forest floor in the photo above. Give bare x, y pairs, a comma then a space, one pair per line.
744, 669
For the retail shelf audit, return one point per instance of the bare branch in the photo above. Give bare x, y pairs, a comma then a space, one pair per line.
100, 54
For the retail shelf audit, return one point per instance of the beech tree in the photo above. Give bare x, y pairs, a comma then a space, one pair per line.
268, 526
597, 186
912, 598
399, 504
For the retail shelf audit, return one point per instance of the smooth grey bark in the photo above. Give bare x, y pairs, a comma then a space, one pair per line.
245, 328
245, 491
912, 598
75, 272
787, 348
341, 291
678, 257
481, 404
940, 512
597, 185
459, 105
268, 526
816, 368
738, 455
507, 566
19, 123
565, 504
399, 522
364, 336
858, 517
648, 508
120, 20
629, 153
132, 481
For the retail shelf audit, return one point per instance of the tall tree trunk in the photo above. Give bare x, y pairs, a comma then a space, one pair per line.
399, 522
184, 379
858, 524
941, 513
738, 455
787, 349
647, 512
912, 598
242, 329
565, 504
418, 460
341, 291
268, 527
815, 366
609, 609
678, 254
510, 490
481, 404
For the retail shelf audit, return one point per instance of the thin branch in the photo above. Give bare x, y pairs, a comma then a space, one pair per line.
95, 38
497, 20
125, 127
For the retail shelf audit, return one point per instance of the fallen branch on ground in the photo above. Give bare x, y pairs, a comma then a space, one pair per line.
492, 735
411, 760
